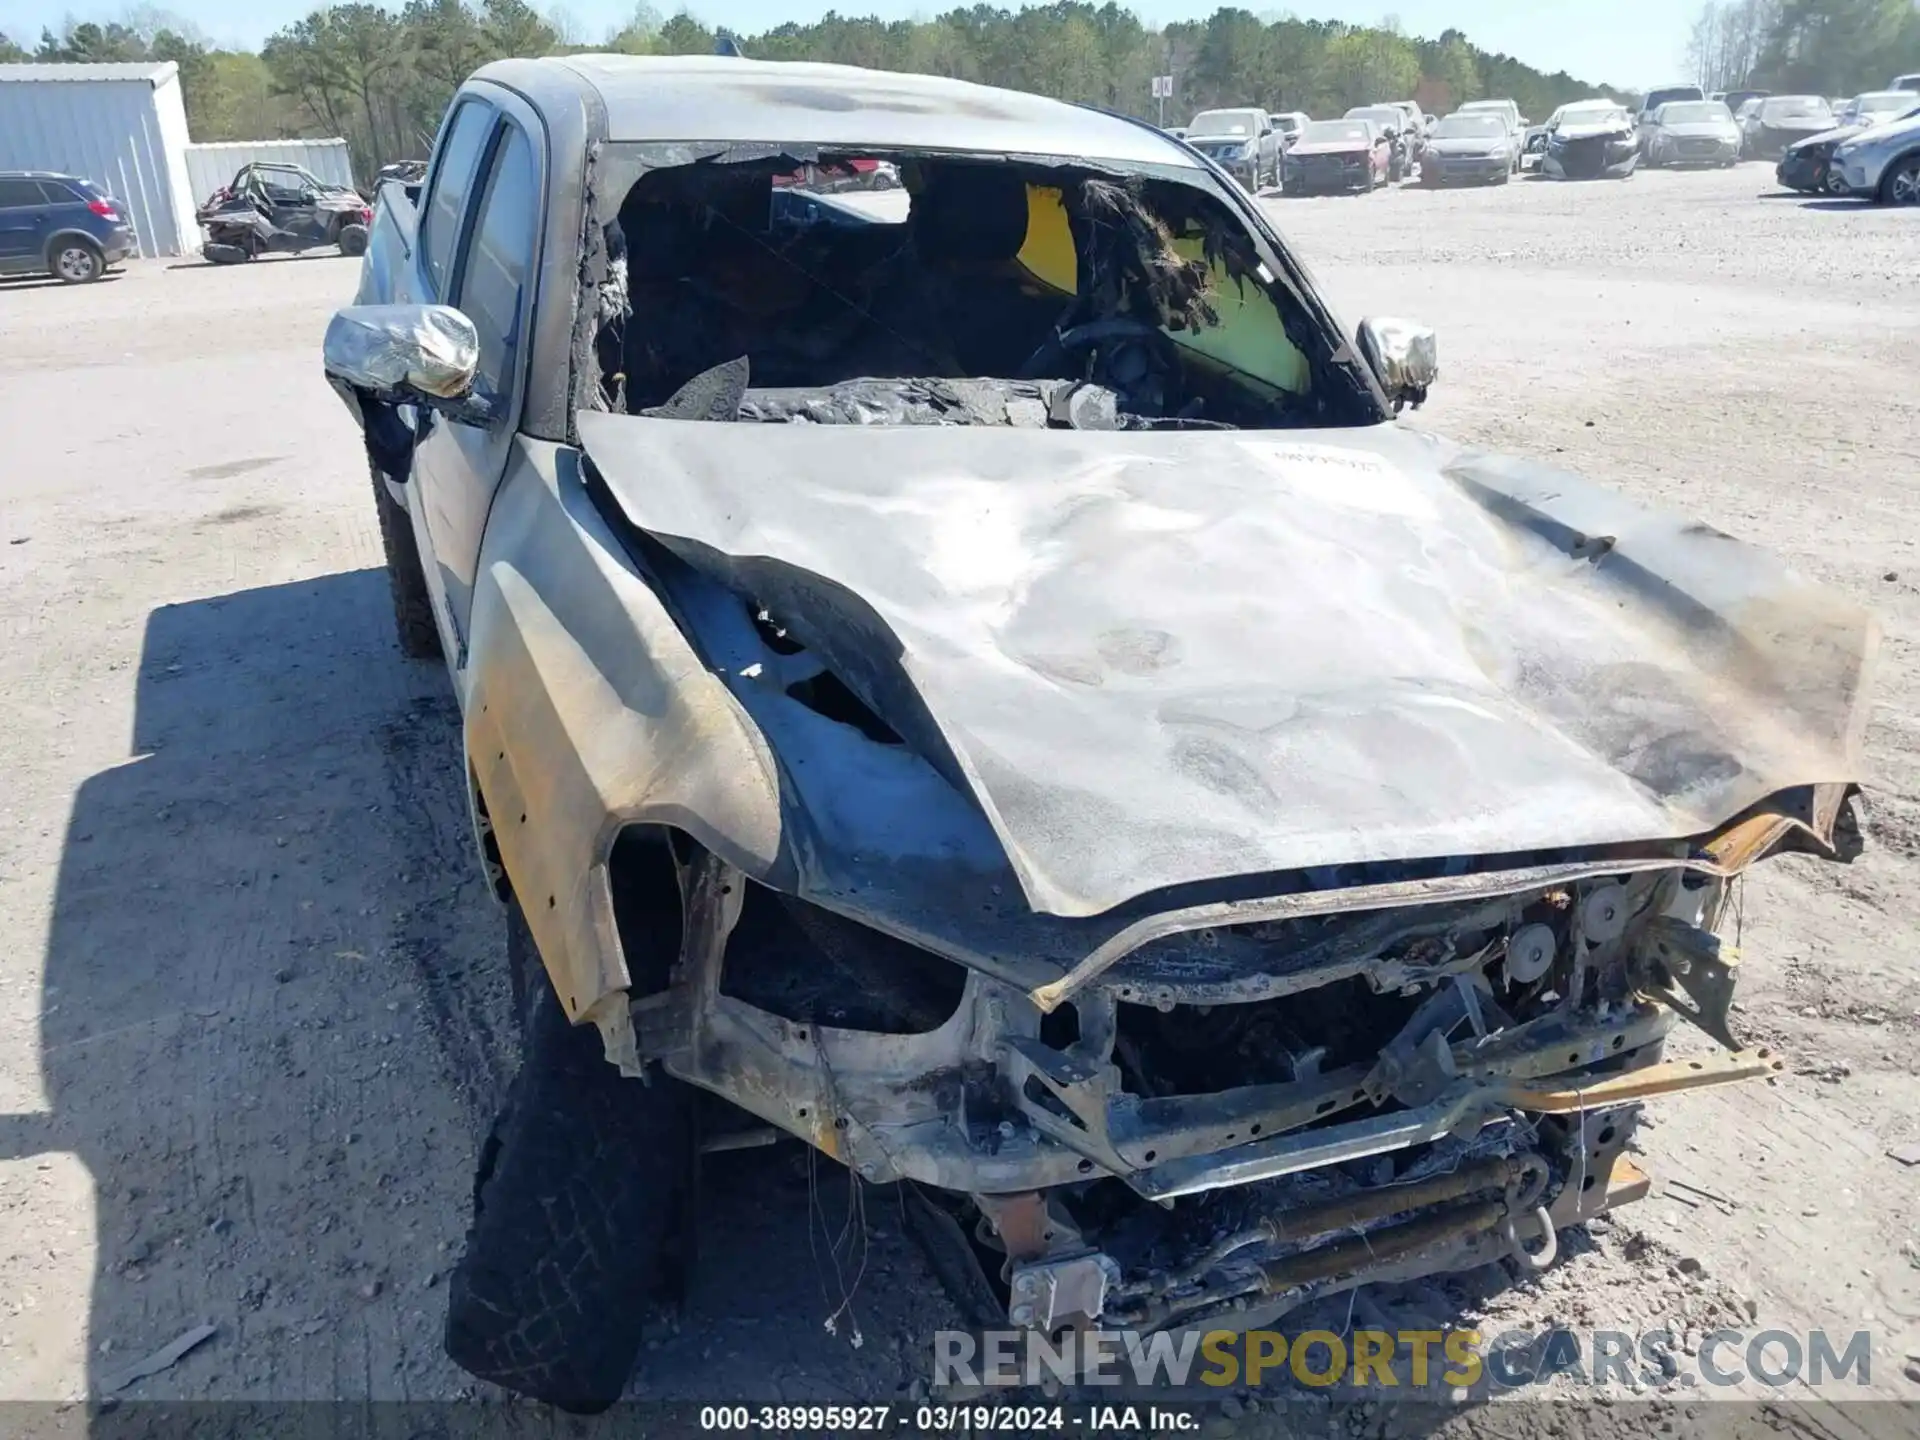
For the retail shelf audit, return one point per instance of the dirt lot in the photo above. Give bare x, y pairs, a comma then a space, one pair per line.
251, 1006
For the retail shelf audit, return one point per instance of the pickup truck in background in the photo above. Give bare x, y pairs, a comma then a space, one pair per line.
1244, 141
857, 762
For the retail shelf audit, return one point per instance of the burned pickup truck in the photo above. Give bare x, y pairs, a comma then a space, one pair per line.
982, 684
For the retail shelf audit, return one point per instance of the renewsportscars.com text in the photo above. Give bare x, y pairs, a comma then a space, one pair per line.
1405, 1359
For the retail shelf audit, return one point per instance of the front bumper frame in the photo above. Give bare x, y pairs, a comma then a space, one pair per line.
932, 1107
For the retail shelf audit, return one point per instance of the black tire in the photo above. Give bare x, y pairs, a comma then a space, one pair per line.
577, 1197
75, 260
353, 240
1900, 185
412, 611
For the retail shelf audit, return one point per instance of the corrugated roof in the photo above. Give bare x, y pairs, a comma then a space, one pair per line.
151, 71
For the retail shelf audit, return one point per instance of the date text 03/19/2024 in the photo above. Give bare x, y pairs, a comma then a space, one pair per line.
949, 1419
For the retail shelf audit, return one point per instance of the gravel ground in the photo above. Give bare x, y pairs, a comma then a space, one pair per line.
251, 1016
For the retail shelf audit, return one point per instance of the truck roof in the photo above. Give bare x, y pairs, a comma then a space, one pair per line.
723, 98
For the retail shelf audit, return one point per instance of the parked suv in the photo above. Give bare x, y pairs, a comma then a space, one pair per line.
59, 225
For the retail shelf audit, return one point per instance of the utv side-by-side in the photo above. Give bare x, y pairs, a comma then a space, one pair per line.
979, 680
281, 209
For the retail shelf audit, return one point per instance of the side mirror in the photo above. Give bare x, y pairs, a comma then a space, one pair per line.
1405, 358
407, 355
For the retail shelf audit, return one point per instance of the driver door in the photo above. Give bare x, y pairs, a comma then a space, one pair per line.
479, 237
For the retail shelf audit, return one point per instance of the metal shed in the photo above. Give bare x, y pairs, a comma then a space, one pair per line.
121, 126
211, 165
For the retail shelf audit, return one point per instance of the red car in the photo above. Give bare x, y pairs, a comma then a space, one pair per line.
1336, 155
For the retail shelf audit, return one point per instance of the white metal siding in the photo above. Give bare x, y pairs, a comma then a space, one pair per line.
170, 108
124, 134
212, 165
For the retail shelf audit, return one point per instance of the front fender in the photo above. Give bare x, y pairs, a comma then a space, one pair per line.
588, 711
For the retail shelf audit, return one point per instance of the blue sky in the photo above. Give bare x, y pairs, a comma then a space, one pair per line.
1634, 43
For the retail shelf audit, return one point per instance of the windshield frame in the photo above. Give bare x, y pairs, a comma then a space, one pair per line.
1495, 128
1884, 102
1592, 112
1369, 132
1673, 95
1809, 107
1243, 116
1668, 114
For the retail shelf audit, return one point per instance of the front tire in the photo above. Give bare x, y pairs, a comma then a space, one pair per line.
76, 262
576, 1199
353, 240
1901, 184
413, 623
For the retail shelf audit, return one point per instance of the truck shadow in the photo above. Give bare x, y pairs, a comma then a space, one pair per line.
274, 1027
220, 1010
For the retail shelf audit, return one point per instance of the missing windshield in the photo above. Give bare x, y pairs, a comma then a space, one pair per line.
850, 289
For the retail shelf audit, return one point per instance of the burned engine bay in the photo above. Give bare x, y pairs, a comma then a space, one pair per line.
1011, 294
1229, 1121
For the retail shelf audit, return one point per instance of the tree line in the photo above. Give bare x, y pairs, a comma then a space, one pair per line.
382, 77
1810, 47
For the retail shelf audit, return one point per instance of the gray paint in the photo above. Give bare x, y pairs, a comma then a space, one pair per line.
1163, 659
717, 98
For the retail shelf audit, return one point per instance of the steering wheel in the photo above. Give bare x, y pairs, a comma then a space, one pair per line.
1062, 343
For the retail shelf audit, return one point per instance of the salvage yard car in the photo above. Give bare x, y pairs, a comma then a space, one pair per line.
1287, 124
1875, 107
1780, 120
1692, 132
1655, 98
1243, 142
1591, 140
1337, 155
1882, 163
847, 739
1509, 113
1468, 147
1808, 164
1403, 143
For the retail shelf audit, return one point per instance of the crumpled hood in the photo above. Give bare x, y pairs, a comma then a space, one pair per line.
1828, 137
1162, 658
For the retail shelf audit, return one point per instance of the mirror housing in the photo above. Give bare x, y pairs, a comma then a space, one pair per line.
407, 355
1405, 357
